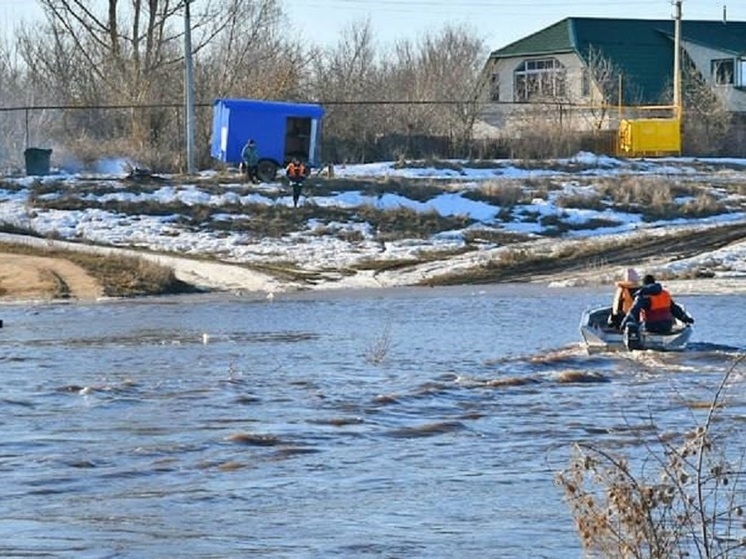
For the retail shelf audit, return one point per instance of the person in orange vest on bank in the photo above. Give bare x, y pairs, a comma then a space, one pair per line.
655, 309
296, 173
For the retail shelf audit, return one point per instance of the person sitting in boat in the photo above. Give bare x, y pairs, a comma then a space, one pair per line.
624, 296
655, 308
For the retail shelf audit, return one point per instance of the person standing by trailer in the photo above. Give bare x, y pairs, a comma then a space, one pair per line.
296, 173
250, 161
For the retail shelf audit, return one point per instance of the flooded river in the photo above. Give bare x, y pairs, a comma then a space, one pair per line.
375, 424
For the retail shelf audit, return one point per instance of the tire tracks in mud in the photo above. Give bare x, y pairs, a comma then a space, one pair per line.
25, 277
637, 251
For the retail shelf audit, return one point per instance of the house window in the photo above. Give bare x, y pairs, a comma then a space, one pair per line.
495, 87
585, 83
722, 71
539, 79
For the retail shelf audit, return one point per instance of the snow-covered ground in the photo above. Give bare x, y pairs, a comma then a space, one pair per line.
333, 259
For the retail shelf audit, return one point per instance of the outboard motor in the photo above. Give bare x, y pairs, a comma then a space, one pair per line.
632, 339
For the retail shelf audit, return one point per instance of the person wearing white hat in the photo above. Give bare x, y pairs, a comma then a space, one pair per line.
624, 296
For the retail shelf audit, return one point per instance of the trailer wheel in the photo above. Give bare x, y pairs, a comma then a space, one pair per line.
267, 170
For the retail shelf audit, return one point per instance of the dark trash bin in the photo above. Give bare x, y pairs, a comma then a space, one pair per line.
37, 161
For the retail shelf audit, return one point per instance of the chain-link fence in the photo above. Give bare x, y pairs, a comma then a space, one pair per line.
112, 138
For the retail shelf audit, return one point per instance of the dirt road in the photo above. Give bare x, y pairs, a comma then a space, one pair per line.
25, 277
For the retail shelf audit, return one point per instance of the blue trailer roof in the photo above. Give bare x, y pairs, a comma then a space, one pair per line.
295, 109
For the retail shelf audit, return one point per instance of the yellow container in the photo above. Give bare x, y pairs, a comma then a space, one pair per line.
650, 136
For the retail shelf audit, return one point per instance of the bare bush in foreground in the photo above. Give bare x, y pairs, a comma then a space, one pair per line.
691, 505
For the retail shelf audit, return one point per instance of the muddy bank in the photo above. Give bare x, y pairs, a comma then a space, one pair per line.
580, 262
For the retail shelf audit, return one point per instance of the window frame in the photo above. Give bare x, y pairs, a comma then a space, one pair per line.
723, 71
585, 82
495, 87
539, 78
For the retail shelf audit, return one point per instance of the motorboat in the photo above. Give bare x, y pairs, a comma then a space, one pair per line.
598, 336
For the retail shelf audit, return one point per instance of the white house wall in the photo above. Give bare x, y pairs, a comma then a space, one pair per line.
505, 68
509, 116
702, 57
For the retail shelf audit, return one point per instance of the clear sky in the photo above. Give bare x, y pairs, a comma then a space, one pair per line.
498, 22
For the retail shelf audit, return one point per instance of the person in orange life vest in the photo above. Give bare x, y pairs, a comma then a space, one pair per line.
296, 173
655, 308
624, 296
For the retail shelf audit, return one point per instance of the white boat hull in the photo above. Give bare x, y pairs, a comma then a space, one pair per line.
599, 337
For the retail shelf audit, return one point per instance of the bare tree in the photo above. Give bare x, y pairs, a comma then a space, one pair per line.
346, 76
450, 66
706, 120
380, 105
131, 53
254, 56
13, 93
604, 83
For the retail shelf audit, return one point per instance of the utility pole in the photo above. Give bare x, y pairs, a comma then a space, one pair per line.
677, 61
189, 88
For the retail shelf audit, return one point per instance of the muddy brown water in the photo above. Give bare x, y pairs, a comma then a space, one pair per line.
409, 422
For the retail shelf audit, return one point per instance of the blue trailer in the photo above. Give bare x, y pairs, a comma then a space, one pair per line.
282, 131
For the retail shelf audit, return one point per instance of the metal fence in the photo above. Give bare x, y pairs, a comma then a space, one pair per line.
154, 136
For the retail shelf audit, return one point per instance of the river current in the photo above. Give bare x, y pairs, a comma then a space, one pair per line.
360, 424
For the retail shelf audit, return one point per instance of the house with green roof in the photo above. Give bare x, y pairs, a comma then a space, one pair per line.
596, 69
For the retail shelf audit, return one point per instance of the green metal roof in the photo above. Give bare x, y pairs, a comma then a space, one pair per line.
642, 49
555, 38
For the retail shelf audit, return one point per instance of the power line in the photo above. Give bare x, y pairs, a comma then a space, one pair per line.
458, 8
455, 7
428, 6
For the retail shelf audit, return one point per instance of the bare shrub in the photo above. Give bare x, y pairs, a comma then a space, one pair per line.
703, 205
401, 223
529, 125
498, 193
351, 235
541, 186
658, 197
690, 506
125, 276
636, 191
583, 200
377, 352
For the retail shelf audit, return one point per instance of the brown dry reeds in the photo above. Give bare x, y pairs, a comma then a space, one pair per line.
691, 505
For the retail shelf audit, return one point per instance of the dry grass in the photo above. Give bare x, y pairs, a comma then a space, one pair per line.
689, 505
651, 197
504, 194
660, 197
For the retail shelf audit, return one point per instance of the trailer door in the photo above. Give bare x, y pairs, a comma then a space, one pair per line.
298, 138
